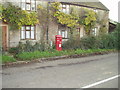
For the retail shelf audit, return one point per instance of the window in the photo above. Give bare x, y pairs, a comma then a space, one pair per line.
28, 32
65, 8
95, 10
78, 30
94, 31
29, 5
63, 33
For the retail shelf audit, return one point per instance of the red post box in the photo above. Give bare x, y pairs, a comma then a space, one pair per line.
58, 42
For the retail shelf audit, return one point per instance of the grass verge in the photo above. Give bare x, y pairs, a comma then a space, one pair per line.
37, 54
7, 59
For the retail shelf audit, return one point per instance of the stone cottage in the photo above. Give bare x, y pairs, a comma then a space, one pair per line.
11, 38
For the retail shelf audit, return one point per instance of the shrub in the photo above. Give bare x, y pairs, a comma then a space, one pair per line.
39, 47
27, 47
89, 42
103, 41
71, 44
13, 50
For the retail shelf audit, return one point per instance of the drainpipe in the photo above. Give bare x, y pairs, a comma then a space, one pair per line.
47, 22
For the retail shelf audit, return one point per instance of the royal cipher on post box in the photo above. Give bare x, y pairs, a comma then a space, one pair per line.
58, 42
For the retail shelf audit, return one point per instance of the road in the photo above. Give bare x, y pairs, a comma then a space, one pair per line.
99, 71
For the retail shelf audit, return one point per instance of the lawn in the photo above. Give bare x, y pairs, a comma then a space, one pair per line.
45, 54
27, 56
6, 59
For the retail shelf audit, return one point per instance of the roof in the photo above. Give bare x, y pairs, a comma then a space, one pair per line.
113, 22
95, 5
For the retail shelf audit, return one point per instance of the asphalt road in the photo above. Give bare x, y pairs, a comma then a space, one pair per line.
99, 71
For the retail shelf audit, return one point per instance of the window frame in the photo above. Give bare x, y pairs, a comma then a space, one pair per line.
65, 33
30, 5
29, 31
65, 7
94, 31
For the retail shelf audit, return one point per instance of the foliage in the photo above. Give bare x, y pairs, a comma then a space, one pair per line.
6, 59
13, 50
71, 44
104, 41
27, 47
66, 19
90, 21
89, 42
102, 21
17, 17
71, 20
63, 18
56, 6
116, 35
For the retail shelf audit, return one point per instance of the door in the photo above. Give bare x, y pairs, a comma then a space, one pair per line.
4, 38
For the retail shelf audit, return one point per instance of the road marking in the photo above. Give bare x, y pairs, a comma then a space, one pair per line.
103, 81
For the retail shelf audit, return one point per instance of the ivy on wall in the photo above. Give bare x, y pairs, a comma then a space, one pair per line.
16, 17
63, 18
71, 20
90, 21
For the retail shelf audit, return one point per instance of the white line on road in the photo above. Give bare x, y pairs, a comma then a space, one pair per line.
97, 83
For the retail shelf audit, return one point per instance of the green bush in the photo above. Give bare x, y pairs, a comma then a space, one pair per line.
71, 44
39, 47
13, 50
104, 41
27, 47
89, 42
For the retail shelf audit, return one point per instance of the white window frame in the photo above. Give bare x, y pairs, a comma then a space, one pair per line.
65, 8
25, 31
63, 33
94, 31
29, 5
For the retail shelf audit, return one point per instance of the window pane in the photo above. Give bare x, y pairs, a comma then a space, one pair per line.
27, 6
63, 6
95, 31
32, 28
28, 34
59, 32
63, 34
32, 34
33, 7
64, 10
23, 0
23, 28
28, 1
27, 27
23, 6
67, 6
22, 34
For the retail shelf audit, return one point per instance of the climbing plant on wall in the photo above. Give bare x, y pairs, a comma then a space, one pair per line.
16, 17
63, 18
89, 21
71, 20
